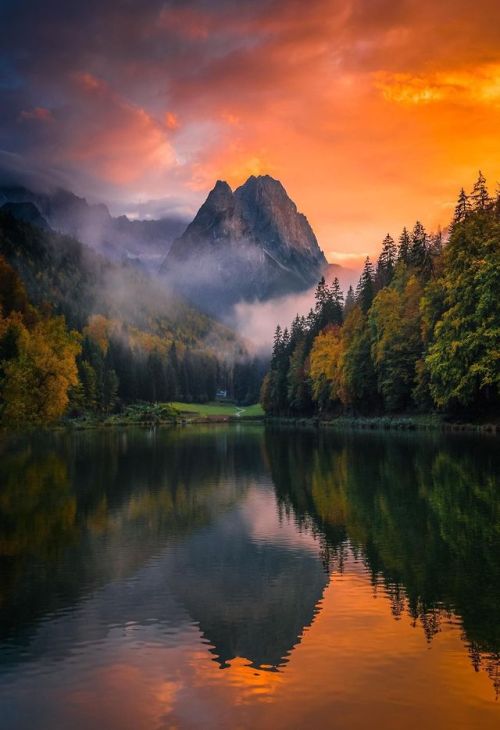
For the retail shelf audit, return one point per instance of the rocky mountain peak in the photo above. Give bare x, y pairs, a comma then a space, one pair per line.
220, 196
251, 244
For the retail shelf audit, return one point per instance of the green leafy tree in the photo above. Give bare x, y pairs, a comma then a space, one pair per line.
358, 388
464, 357
396, 343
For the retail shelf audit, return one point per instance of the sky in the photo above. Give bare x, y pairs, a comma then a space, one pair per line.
372, 113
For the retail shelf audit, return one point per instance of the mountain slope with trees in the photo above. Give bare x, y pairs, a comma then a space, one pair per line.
131, 341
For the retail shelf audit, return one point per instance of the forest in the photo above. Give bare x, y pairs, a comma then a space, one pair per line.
421, 332
81, 336
48, 370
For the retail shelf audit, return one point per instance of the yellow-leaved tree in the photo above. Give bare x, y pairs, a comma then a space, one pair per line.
36, 382
325, 366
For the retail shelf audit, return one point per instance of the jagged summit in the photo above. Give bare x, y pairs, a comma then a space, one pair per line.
248, 244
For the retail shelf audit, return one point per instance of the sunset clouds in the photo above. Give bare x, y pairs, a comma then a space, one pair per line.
371, 112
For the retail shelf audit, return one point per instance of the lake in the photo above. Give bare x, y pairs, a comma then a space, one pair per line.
234, 576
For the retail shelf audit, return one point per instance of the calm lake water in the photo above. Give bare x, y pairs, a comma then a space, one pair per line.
233, 577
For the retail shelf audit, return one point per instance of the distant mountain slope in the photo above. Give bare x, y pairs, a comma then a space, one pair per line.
250, 244
118, 238
78, 282
26, 212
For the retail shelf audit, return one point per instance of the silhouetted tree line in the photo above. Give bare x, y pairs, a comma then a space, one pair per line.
420, 332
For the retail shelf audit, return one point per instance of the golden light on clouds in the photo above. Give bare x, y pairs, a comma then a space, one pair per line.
479, 87
371, 113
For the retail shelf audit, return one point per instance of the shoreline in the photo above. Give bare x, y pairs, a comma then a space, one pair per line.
429, 422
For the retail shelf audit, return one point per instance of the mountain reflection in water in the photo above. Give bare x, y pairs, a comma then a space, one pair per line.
315, 569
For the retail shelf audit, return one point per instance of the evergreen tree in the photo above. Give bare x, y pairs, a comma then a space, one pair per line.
336, 303
298, 393
358, 387
479, 196
386, 263
436, 243
277, 342
110, 390
462, 208
87, 376
366, 286
404, 246
463, 359
350, 301
418, 246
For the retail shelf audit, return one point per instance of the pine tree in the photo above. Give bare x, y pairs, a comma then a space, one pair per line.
462, 208
321, 294
386, 263
365, 289
296, 331
337, 303
276, 346
419, 248
310, 320
404, 246
479, 196
436, 243
350, 301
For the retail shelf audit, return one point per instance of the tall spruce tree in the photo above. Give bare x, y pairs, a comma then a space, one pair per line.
350, 301
462, 208
479, 196
337, 303
386, 263
366, 287
419, 256
404, 246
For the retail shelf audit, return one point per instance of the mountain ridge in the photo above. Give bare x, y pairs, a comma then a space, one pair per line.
117, 238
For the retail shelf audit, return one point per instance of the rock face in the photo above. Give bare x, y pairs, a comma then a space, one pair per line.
248, 244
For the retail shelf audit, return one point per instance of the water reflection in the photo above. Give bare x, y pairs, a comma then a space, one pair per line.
423, 514
225, 542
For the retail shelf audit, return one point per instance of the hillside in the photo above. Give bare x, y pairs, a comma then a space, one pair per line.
79, 283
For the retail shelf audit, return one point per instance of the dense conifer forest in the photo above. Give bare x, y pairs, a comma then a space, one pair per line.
421, 332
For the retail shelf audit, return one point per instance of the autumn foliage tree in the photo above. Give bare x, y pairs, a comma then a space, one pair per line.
37, 358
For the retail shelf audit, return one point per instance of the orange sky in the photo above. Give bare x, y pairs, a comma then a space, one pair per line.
372, 113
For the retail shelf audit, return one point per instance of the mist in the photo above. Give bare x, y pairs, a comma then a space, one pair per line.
132, 279
256, 321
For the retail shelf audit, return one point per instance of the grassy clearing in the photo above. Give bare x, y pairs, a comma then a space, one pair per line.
218, 409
